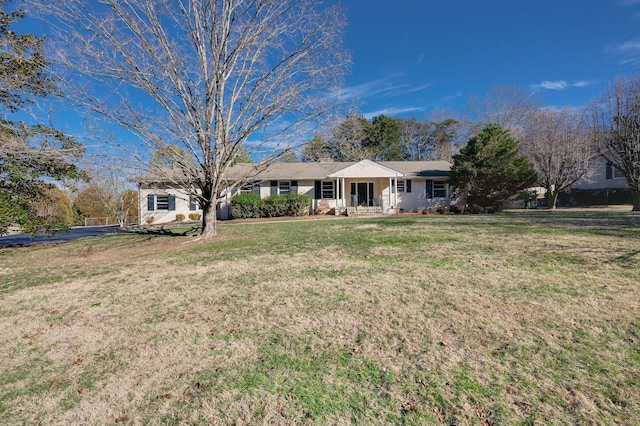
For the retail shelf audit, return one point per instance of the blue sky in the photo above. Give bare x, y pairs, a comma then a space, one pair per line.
414, 57
411, 57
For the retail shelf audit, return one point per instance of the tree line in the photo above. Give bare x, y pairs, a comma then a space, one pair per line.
384, 138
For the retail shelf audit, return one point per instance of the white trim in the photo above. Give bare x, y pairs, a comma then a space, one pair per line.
383, 171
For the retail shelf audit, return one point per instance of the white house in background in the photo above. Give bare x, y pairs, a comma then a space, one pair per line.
606, 185
341, 187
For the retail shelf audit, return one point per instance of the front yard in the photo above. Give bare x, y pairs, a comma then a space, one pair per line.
513, 318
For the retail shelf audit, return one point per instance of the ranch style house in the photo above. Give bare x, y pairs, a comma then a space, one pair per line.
384, 187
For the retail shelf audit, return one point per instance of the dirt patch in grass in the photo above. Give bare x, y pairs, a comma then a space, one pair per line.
421, 320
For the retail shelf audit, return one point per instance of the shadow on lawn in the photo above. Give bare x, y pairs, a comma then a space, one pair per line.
163, 231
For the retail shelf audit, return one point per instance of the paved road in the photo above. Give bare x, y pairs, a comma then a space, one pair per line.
73, 234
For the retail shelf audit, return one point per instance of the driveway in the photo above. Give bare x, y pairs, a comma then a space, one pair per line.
73, 234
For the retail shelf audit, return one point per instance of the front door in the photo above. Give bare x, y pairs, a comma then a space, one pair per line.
364, 193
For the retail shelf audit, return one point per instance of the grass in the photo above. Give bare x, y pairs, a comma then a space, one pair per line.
513, 318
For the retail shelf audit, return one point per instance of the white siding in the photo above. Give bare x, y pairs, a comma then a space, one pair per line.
164, 216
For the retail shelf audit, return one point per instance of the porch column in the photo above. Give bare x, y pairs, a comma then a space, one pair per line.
395, 191
336, 193
344, 195
390, 192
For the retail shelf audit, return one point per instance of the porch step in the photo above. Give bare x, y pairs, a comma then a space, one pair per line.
364, 211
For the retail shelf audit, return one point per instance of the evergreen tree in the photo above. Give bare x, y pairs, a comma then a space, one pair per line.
28, 153
383, 139
489, 169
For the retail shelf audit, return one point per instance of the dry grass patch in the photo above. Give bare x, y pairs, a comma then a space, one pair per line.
513, 318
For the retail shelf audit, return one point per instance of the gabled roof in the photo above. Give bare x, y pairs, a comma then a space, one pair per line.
290, 171
366, 168
315, 171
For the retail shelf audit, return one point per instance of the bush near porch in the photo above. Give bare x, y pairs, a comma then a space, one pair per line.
249, 205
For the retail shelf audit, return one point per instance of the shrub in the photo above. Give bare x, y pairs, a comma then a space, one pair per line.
456, 209
298, 205
179, 217
440, 210
475, 209
246, 205
194, 216
274, 206
250, 205
150, 220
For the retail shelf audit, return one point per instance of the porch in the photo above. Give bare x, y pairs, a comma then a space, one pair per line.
366, 188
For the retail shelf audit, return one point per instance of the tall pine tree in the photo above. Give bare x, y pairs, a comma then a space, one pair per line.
489, 169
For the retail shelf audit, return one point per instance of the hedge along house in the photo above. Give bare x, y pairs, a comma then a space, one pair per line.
385, 187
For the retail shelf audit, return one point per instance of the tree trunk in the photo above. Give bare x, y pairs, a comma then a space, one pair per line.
552, 199
635, 196
208, 221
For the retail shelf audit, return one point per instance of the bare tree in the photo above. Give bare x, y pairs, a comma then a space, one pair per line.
211, 76
616, 128
506, 105
557, 145
415, 138
114, 191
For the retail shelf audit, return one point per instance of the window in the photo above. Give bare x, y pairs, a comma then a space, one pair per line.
617, 174
250, 187
612, 172
400, 185
162, 202
327, 189
284, 187
439, 189
193, 203
436, 189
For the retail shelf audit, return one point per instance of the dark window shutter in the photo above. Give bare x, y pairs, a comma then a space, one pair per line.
151, 202
394, 183
429, 189
192, 204
407, 185
294, 187
317, 190
172, 202
274, 187
609, 170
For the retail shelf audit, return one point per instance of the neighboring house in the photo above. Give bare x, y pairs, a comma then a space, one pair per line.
384, 187
606, 185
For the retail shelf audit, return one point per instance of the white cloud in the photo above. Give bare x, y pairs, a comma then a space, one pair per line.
452, 97
365, 90
582, 83
387, 87
391, 111
551, 85
629, 51
416, 88
629, 2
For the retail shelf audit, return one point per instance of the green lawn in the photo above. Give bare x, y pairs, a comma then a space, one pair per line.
528, 317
